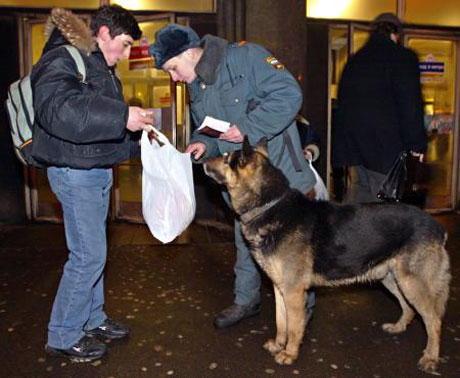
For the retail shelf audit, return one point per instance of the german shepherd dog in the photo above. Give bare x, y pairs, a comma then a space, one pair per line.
300, 243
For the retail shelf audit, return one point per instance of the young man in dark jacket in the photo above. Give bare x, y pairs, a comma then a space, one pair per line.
82, 129
246, 86
380, 111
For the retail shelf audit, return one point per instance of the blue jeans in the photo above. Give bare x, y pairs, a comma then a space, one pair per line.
78, 306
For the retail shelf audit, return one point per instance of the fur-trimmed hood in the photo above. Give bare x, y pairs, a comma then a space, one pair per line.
64, 27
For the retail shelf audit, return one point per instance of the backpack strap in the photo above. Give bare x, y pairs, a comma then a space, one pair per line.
76, 55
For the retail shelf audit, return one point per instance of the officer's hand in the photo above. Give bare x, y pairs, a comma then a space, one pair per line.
196, 149
232, 135
139, 119
307, 154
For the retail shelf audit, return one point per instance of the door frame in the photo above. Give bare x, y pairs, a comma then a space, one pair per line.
31, 195
117, 213
25, 24
450, 36
350, 27
417, 33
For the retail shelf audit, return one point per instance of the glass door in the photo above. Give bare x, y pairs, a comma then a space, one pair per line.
439, 78
344, 41
339, 48
41, 203
149, 88
142, 85
438, 57
359, 36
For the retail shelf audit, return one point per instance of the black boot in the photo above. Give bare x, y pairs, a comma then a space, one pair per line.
110, 329
234, 314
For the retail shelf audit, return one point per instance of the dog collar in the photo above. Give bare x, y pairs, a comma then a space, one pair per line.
252, 214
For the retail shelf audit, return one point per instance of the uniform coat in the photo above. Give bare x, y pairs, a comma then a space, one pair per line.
260, 97
380, 111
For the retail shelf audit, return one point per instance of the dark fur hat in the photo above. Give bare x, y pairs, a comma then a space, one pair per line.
172, 40
389, 18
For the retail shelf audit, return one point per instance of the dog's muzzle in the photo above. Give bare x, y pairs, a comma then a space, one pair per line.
211, 169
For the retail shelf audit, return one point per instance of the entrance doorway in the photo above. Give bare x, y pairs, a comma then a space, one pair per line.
152, 89
439, 68
142, 86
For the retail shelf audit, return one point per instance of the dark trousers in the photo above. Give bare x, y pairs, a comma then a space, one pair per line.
363, 185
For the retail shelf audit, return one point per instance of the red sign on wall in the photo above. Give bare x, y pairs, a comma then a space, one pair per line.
139, 52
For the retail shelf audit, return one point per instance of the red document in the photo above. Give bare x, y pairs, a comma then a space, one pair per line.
213, 127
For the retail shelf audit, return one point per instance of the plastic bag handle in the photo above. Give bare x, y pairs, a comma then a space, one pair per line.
161, 137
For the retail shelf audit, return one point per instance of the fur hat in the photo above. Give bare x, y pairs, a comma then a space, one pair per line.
389, 18
172, 40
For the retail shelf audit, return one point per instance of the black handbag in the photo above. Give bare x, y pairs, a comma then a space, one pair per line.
392, 188
405, 182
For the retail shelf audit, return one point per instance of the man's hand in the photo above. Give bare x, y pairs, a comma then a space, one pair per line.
232, 135
418, 155
196, 149
139, 119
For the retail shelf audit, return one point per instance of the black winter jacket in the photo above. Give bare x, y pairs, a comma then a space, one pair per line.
380, 110
78, 125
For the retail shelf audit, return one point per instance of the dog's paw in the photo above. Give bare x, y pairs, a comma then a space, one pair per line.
428, 365
284, 358
393, 327
273, 347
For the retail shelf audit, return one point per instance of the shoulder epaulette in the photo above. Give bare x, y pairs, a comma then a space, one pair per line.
237, 44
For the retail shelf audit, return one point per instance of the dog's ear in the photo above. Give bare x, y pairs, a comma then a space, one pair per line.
247, 149
261, 146
245, 152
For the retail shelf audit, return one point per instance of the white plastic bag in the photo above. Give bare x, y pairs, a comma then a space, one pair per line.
321, 192
168, 197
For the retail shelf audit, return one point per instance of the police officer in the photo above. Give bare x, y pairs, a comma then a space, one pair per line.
246, 86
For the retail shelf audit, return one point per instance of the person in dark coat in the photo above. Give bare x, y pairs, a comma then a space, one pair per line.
83, 128
309, 140
243, 84
380, 110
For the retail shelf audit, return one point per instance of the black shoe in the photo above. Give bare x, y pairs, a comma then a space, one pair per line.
110, 330
234, 314
86, 349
